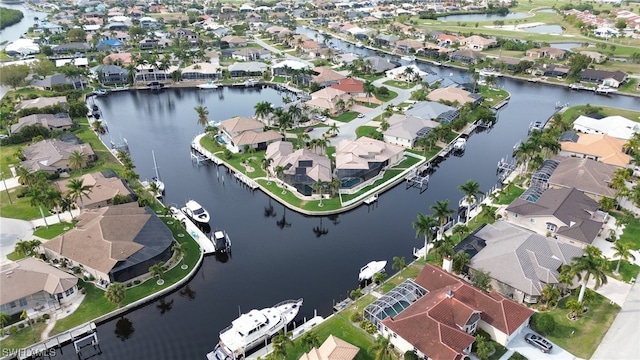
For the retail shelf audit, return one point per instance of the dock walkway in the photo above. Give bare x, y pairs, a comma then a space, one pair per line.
206, 245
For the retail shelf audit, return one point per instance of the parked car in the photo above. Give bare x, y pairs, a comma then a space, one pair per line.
538, 341
309, 129
361, 115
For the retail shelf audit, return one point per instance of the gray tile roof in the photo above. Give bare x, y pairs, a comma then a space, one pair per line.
586, 175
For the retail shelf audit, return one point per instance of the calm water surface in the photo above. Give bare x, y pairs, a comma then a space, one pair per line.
482, 17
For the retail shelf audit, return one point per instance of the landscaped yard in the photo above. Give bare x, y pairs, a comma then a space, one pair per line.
507, 194
581, 337
23, 338
387, 97
369, 131
631, 234
628, 272
53, 230
400, 84
346, 116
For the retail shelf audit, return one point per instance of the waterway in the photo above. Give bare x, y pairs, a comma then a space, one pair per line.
482, 17
279, 254
14, 31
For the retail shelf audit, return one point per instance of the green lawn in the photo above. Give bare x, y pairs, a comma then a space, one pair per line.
388, 97
23, 338
573, 112
631, 234
20, 208
400, 84
581, 337
369, 131
346, 117
508, 194
52, 231
410, 272
627, 271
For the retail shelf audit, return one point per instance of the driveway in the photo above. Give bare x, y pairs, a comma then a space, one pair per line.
614, 290
618, 343
530, 352
12, 231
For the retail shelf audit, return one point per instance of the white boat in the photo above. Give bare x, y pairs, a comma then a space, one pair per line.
196, 212
408, 58
489, 72
156, 179
221, 241
368, 271
359, 45
254, 328
208, 85
460, 144
100, 92
603, 89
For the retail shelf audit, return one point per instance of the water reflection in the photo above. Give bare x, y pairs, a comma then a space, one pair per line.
164, 305
320, 230
188, 293
124, 329
283, 223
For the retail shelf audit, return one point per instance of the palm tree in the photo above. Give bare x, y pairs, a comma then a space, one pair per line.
443, 248
262, 109
115, 293
334, 129
318, 185
280, 343
460, 260
310, 340
591, 264
550, 294
38, 198
203, 114
52, 200
460, 230
424, 226
22, 248
77, 160
156, 270
4, 320
279, 170
369, 89
180, 249
399, 263
442, 212
382, 348
575, 307
78, 190
623, 252
66, 204
470, 189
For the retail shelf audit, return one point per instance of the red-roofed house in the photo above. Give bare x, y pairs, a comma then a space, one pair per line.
441, 324
353, 87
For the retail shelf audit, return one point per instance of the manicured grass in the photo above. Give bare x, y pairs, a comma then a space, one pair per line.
631, 234
573, 112
346, 116
342, 328
7, 154
14, 256
53, 230
400, 84
409, 272
517, 356
23, 338
581, 337
627, 271
361, 303
492, 96
366, 131
388, 97
370, 105
508, 194
20, 208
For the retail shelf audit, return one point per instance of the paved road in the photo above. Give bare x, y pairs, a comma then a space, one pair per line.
12, 231
621, 341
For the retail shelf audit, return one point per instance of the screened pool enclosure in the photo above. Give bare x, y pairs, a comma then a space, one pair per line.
394, 302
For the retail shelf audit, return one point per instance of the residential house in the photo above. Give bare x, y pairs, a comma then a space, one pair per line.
441, 323
302, 167
186, 34
52, 156
251, 54
566, 214
406, 73
114, 243
202, 71
454, 95
466, 56
51, 27
109, 45
378, 64
479, 43
589, 176
240, 133
556, 71
326, 76
329, 99
71, 48
110, 74
616, 126
147, 22
599, 147
352, 86
33, 285
386, 40
333, 348
433, 111
447, 40
408, 45
594, 55
42, 102
104, 187
360, 160
521, 262
56, 80
607, 78
117, 59
546, 52
231, 41
284, 68
405, 130
59, 122
151, 72
251, 68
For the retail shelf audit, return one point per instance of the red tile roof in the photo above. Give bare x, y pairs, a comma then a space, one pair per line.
350, 85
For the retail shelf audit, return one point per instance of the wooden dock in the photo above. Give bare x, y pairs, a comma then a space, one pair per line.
371, 200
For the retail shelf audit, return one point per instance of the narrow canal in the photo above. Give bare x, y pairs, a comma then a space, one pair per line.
280, 255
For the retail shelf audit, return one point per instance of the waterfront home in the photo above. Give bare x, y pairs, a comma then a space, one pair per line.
431, 110
42, 102
73, 47
33, 285
587, 175
114, 243
454, 95
360, 160
333, 348
595, 56
326, 76
243, 69
22, 47
378, 64
546, 52
120, 59
447, 40
386, 40
521, 262
448, 311
150, 72
104, 187
187, 35
466, 56
599, 147
240, 133
351, 86
250, 54
109, 74
51, 81
566, 214
478, 43
148, 22
52, 155
60, 122
405, 130
202, 71
407, 73
561, 71
329, 99
607, 78
109, 45
302, 167
616, 126
284, 67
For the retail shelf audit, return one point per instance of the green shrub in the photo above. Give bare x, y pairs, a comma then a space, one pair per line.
21, 326
410, 355
129, 284
368, 326
13, 330
136, 282
45, 316
355, 317
543, 323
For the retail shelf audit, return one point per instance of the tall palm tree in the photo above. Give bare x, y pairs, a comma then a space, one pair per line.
180, 249
262, 109
78, 190
156, 270
382, 348
279, 170
369, 89
318, 186
591, 264
443, 248
424, 226
550, 294
38, 198
280, 343
442, 212
52, 200
77, 160
203, 114
310, 340
4, 320
266, 164
470, 189
623, 252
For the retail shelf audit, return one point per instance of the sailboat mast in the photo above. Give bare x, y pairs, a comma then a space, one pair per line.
155, 165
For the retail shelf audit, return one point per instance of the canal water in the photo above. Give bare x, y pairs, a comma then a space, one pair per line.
279, 254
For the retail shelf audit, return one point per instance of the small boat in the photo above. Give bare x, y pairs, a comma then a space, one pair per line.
100, 92
605, 90
489, 72
253, 329
359, 45
250, 82
208, 85
460, 144
155, 86
221, 241
196, 212
368, 271
409, 58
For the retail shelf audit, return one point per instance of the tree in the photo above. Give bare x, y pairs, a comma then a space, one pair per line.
13, 75
424, 226
180, 249
76, 35
575, 306
318, 186
78, 190
381, 350
4, 320
369, 89
443, 248
591, 264
442, 212
157, 270
550, 295
481, 280
399, 263
577, 63
203, 114
77, 160
470, 189
266, 163
484, 347
623, 252
310, 340
43, 67
460, 260
279, 170
262, 109
379, 277
115, 293
279, 343
460, 230
544, 323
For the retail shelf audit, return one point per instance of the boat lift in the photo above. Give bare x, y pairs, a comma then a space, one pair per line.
415, 179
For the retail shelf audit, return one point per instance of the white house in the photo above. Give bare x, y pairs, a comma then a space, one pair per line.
615, 126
